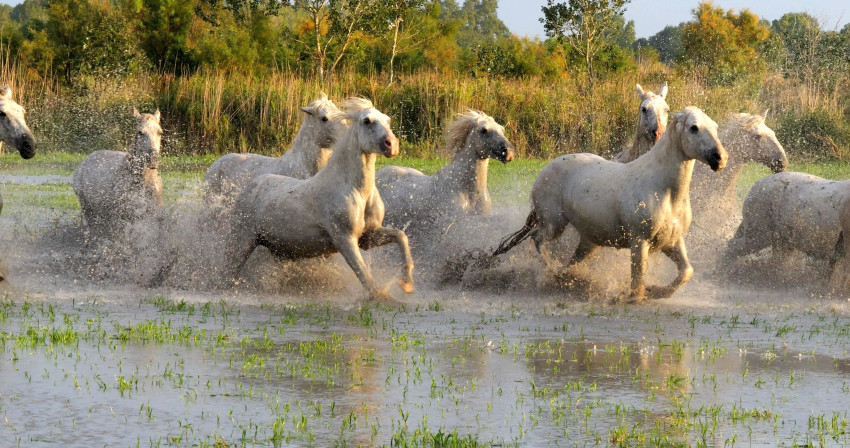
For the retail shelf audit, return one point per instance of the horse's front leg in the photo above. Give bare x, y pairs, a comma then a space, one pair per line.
639, 258
382, 236
679, 255
349, 249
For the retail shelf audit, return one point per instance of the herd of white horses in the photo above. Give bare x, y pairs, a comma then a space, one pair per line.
324, 196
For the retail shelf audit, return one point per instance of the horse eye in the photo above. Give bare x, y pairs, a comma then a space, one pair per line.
694, 129
367, 121
324, 118
483, 130
141, 133
643, 109
2, 114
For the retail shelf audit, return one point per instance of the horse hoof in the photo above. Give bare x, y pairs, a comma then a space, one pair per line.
406, 286
660, 292
635, 299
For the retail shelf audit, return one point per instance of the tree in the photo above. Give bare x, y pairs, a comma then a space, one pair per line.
163, 28
668, 43
583, 24
334, 26
723, 45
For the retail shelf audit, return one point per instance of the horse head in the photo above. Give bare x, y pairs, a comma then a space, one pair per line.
325, 120
147, 141
371, 127
764, 147
479, 132
696, 134
13, 128
654, 112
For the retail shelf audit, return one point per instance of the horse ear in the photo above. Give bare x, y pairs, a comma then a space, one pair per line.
675, 117
136, 113
639, 91
157, 115
764, 114
7, 92
323, 96
307, 110
663, 91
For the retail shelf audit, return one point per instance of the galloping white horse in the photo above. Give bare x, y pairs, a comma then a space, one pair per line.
652, 122
115, 187
413, 199
13, 128
714, 202
337, 210
643, 205
310, 151
788, 211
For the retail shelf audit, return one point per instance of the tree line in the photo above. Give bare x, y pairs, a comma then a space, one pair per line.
73, 38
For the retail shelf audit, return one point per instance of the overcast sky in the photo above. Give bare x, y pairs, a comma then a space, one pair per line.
651, 16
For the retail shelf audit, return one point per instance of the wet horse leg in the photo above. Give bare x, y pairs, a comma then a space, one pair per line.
349, 249
383, 236
679, 255
639, 258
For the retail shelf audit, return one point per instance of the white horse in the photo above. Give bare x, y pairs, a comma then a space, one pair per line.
652, 122
14, 131
413, 199
116, 187
643, 205
337, 210
310, 151
13, 127
788, 211
714, 201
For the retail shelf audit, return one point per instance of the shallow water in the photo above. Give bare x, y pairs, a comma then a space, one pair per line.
506, 355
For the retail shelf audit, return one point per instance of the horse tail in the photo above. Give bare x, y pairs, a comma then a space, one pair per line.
519, 236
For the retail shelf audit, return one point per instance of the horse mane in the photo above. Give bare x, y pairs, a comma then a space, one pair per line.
333, 110
352, 106
736, 124
459, 129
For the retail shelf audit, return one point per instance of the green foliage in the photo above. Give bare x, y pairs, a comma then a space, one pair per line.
723, 45
163, 27
587, 26
668, 43
817, 134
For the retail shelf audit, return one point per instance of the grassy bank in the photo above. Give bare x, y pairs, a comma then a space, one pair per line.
510, 184
216, 112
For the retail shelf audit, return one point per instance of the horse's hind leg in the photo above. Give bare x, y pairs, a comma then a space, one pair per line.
545, 233
679, 255
382, 236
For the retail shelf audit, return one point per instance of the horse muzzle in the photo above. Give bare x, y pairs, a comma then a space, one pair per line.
717, 159
389, 147
26, 146
778, 166
505, 154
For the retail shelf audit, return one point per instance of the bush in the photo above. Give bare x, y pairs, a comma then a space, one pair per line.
817, 134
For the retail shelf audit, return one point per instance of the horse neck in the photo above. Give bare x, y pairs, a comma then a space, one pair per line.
641, 144
306, 151
350, 168
466, 173
670, 166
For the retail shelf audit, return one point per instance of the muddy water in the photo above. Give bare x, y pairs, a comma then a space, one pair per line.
506, 354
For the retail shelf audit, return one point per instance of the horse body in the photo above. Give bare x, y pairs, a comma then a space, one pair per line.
791, 211
652, 122
414, 199
643, 205
337, 210
309, 153
115, 187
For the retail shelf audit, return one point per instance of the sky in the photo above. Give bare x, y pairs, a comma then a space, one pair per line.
651, 16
